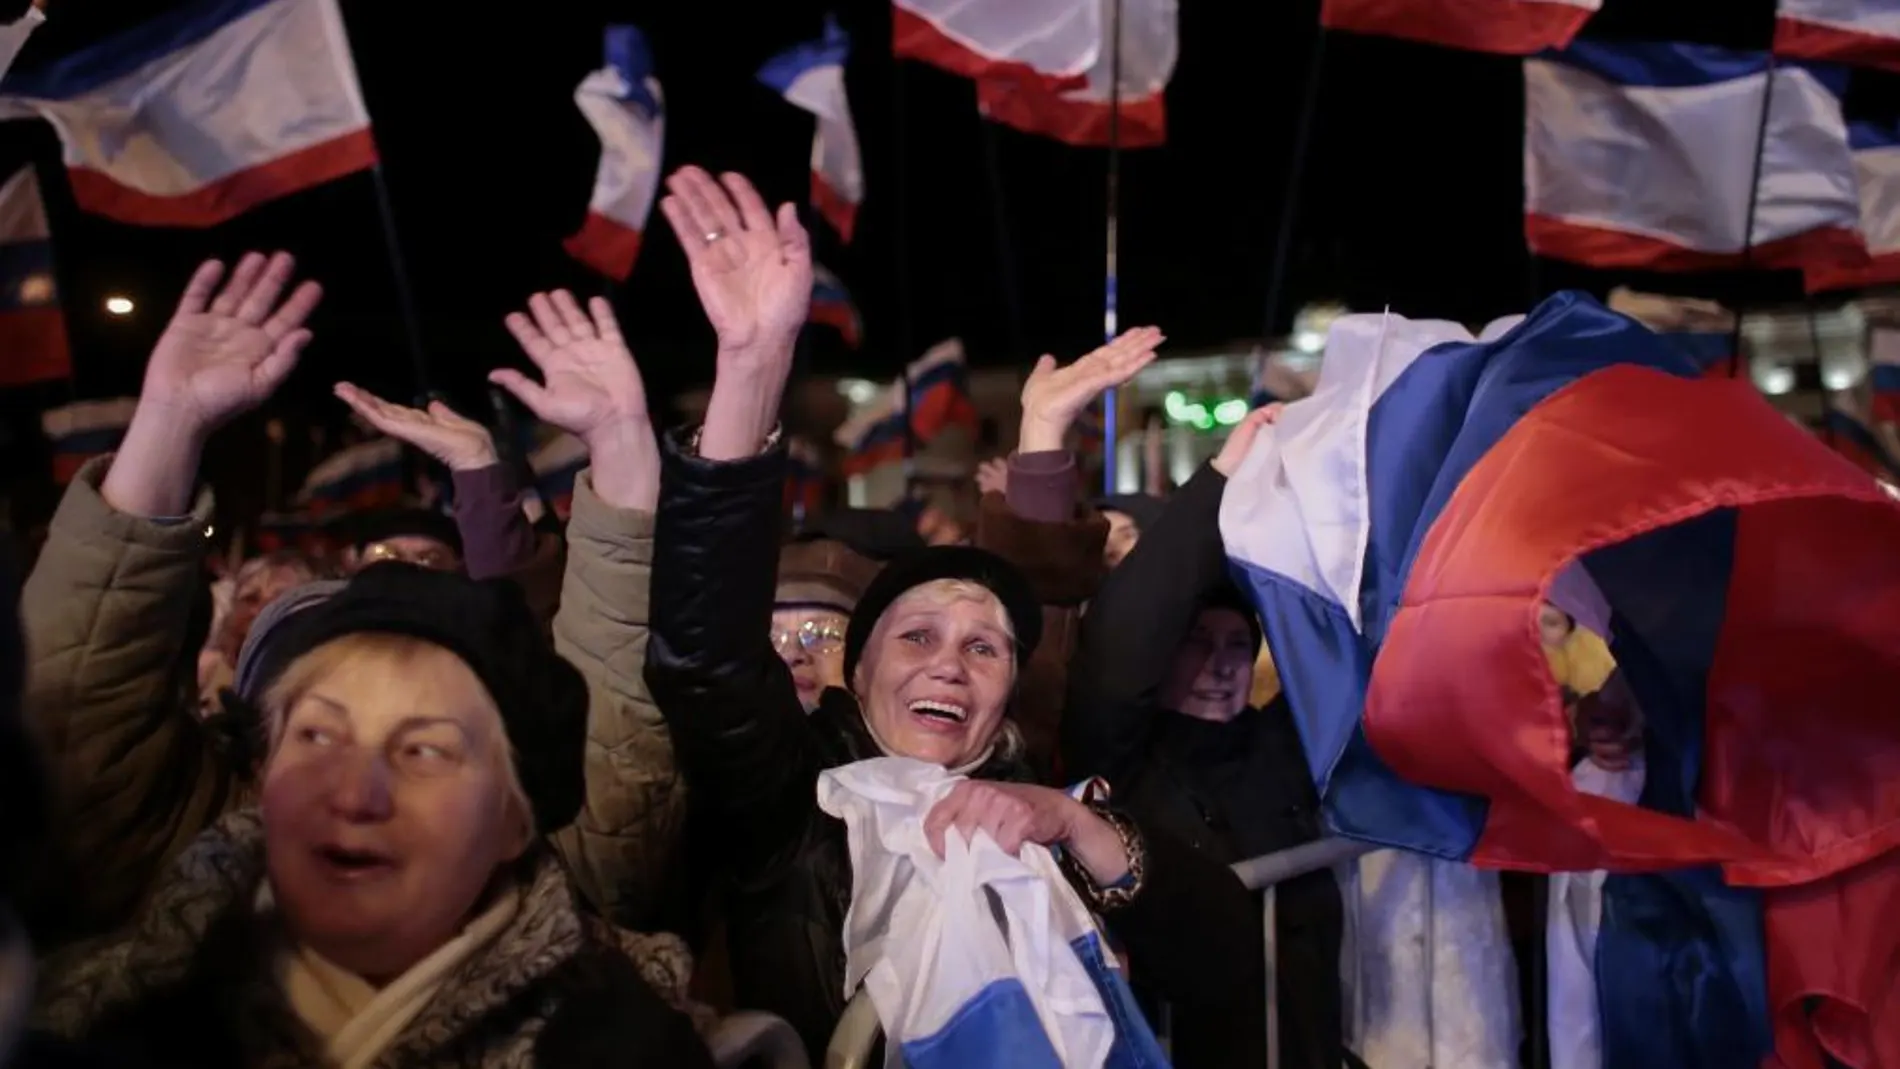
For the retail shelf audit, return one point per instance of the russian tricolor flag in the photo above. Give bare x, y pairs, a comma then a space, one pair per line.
811, 76
622, 102
1846, 432
83, 430
1017, 41
874, 439
1508, 27
556, 465
33, 344
804, 479
832, 306
357, 478
1883, 373
204, 112
1861, 32
1643, 156
1399, 530
940, 391
1876, 148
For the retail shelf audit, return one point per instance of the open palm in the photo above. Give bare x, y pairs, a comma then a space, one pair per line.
460, 443
590, 384
222, 356
752, 272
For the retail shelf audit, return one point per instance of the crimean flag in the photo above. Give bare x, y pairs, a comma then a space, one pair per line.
1507, 27
811, 76
622, 102
1399, 530
1865, 33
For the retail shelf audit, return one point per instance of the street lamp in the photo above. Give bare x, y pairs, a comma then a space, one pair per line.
119, 306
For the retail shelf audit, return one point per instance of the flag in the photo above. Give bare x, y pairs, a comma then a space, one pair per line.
1275, 379
811, 76
622, 102
1679, 123
204, 112
804, 479
1876, 148
874, 437
1016, 40
32, 328
556, 465
356, 478
1079, 115
1861, 32
832, 306
83, 430
1507, 27
1399, 531
940, 391
1883, 374
14, 34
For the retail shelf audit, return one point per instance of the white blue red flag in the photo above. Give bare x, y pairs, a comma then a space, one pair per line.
356, 478
1643, 156
1021, 41
1861, 32
1883, 373
1399, 531
832, 306
937, 399
83, 430
811, 76
1079, 114
33, 344
1507, 27
1876, 147
204, 112
622, 102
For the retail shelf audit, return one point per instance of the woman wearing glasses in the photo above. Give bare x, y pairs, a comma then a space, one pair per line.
819, 583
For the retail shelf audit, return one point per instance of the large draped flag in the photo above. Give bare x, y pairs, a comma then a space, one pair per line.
1509, 27
621, 101
32, 328
811, 76
1080, 114
1399, 530
1643, 156
1876, 148
1861, 32
204, 112
1021, 41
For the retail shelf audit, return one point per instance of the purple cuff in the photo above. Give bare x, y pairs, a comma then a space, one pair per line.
1042, 486
497, 539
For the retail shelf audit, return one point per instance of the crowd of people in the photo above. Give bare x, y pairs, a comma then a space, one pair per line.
478, 793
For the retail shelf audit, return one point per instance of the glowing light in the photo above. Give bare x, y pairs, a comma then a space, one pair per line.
119, 306
36, 289
1774, 379
1230, 412
1309, 341
858, 391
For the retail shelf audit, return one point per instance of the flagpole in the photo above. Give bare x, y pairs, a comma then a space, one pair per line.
1290, 205
1111, 302
1005, 249
405, 295
900, 226
1754, 198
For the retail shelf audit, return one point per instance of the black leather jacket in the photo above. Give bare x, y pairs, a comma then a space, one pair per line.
752, 758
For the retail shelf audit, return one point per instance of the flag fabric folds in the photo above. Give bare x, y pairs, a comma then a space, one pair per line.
1861, 32
832, 306
622, 102
14, 34
1883, 374
1020, 41
1399, 530
33, 345
1080, 114
205, 112
1642, 156
356, 478
1876, 148
1508, 27
811, 76
937, 400
83, 430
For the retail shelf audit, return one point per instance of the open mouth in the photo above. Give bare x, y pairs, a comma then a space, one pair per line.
352, 864
940, 712
1216, 697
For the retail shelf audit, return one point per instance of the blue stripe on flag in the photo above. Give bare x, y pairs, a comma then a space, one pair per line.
1886, 378
627, 52
1872, 135
115, 57
1676, 65
788, 66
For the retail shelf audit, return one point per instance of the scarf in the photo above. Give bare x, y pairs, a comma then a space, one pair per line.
356, 1021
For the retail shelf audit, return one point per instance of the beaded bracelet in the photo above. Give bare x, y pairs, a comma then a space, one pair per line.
1106, 899
692, 444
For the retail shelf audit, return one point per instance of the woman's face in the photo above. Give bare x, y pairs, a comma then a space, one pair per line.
1212, 676
937, 672
811, 643
1553, 624
1122, 536
388, 803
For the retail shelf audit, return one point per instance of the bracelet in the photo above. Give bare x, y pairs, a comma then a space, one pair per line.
692, 443
1106, 899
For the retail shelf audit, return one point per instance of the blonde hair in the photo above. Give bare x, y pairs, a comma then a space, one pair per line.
403, 658
942, 591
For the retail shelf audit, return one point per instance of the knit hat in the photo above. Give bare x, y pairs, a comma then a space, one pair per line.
967, 563
1144, 509
823, 573
542, 698
252, 662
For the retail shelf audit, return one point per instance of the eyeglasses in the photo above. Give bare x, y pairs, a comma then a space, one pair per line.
811, 636
439, 560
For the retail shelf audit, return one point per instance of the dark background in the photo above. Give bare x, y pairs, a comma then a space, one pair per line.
1411, 197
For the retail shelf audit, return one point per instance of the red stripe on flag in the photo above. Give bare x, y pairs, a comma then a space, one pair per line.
1829, 248
913, 37
605, 245
1505, 27
1834, 44
33, 346
232, 195
1048, 113
832, 205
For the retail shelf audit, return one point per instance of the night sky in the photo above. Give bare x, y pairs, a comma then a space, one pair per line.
1411, 196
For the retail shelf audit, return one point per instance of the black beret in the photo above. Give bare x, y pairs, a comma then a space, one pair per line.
967, 563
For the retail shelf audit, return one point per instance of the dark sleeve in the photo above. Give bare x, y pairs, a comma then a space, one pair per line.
1194, 930
739, 731
1042, 485
1141, 612
497, 539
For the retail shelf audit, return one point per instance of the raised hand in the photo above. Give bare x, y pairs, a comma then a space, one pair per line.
993, 475
459, 443
591, 388
753, 272
1054, 396
223, 354
1240, 439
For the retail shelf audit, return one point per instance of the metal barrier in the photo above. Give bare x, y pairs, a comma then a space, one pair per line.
856, 1036
747, 1038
